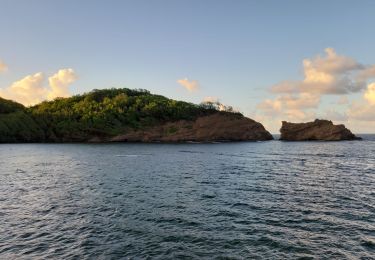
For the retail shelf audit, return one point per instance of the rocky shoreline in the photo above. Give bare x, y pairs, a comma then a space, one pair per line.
219, 127
232, 128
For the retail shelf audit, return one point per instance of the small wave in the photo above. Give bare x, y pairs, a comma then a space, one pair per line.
208, 196
177, 221
186, 151
228, 213
240, 204
127, 155
330, 155
131, 155
26, 235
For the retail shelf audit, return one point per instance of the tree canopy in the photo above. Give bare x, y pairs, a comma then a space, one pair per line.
104, 112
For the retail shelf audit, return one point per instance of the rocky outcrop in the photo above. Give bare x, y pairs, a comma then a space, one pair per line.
215, 127
321, 130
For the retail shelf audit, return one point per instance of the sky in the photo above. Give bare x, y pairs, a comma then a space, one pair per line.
271, 60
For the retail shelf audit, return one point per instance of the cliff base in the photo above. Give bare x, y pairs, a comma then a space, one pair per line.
215, 127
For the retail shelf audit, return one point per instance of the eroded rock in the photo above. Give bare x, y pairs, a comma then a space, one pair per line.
320, 130
215, 127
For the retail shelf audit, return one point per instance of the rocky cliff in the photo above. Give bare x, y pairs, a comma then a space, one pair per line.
321, 130
215, 127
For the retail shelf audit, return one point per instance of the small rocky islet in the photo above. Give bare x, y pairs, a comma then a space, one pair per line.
126, 115
318, 130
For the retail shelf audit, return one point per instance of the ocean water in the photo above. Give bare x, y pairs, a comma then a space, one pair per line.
260, 200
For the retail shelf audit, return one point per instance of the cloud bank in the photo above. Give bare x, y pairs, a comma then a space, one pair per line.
31, 89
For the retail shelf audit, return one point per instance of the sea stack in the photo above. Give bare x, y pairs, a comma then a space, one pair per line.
318, 130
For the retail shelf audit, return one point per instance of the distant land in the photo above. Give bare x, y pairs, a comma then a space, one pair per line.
124, 115
136, 115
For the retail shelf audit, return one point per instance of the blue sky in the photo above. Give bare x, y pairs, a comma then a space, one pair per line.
235, 50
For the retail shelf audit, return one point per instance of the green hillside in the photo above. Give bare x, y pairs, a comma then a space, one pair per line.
102, 113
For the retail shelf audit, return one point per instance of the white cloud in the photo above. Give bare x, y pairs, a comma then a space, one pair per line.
331, 74
370, 94
60, 82
330, 64
189, 85
31, 89
3, 66
290, 102
289, 107
272, 119
301, 101
27, 91
364, 110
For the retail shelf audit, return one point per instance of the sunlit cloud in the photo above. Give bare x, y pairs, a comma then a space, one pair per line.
31, 89
370, 94
364, 110
60, 83
27, 91
189, 85
3, 66
323, 75
289, 102
330, 74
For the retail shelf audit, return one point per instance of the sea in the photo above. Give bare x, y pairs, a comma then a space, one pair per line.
244, 200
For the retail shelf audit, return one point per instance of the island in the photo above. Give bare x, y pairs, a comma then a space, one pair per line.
318, 130
124, 115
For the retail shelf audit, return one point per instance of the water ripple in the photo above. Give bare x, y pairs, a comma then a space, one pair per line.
267, 200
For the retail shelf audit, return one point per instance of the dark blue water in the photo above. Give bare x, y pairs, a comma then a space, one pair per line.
263, 200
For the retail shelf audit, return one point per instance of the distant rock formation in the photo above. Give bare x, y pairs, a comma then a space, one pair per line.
215, 127
320, 130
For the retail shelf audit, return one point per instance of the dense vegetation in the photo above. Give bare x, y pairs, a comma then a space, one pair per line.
100, 113
8, 106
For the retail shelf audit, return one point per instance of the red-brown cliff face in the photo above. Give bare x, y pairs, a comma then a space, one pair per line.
215, 127
321, 130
